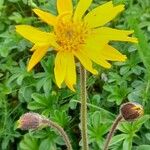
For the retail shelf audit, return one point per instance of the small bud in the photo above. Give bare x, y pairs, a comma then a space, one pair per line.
30, 121
131, 111
34, 121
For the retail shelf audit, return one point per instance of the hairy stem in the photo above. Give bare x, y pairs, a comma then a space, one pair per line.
112, 130
61, 132
83, 111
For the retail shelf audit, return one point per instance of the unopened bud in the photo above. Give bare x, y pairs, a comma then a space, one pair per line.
34, 121
30, 121
131, 111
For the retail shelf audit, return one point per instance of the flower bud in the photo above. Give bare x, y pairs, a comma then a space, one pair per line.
131, 111
30, 121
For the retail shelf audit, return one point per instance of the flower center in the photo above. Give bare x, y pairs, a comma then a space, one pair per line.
70, 35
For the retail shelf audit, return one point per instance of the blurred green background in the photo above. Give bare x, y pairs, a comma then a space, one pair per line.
22, 91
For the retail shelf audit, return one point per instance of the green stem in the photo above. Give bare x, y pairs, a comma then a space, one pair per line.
147, 87
83, 111
60, 130
112, 130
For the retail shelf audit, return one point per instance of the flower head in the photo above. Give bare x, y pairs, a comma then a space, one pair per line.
131, 111
30, 121
76, 34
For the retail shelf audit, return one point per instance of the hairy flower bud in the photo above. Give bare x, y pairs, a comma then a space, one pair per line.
30, 121
34, 121
131, 111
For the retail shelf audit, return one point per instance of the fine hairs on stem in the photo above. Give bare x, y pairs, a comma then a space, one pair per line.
83, 110
129, 112
112, 130
61, 132
35, 121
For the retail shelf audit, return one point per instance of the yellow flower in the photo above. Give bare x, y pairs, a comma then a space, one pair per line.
76, 34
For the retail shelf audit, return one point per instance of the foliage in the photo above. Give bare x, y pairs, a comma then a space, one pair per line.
22, 91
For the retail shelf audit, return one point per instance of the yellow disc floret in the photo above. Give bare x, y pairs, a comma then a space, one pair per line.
70, 35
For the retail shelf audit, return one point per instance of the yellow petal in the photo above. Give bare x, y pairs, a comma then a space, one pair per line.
35, 35
38, 45
85, 61
97, 57
64, 6
60, 67
112, 54
96, 41
93, 47
34, 47
70, 78
102, 14
37, 56
46, 16
65, 17
115, 35
81, 8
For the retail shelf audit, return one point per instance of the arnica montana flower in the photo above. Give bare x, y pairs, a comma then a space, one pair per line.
30, 121
76, 34
131, 111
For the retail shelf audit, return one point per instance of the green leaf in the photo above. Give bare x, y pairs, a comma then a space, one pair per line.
143, 147
124, 70
96, 127
125, 127
139, 122
147, 135
1, 3
29, 143
61, 117
118, 138
144, 48
47, 144
127, 144
47, 104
